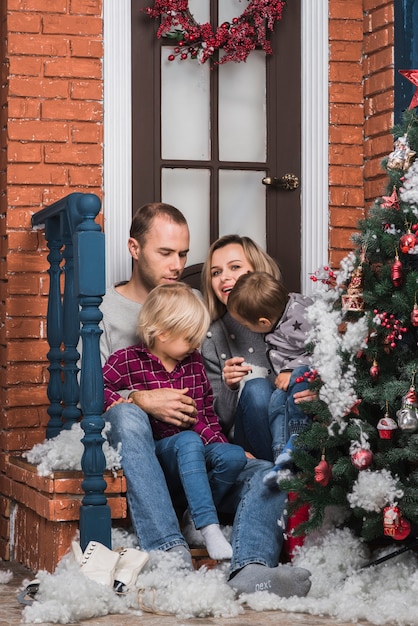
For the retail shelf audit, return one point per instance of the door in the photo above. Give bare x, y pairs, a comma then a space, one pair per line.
207, 138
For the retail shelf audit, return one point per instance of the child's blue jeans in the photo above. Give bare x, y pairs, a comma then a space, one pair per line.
285, 417
189, 464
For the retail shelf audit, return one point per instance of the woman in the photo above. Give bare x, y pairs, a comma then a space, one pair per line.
235, 357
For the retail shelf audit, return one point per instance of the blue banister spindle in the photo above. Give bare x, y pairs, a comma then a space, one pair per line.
71, 333
89, 266
54, 327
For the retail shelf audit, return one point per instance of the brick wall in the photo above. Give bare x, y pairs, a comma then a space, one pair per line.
51, 144
360, 114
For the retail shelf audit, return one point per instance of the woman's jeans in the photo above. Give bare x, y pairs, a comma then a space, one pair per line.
252, 428
285, 417
205, 472
256, 535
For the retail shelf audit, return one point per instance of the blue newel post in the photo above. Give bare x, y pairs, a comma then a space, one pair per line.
89, 268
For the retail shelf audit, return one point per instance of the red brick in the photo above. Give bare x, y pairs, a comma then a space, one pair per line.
24, 108
25, 66
378, 82
345, 72
380, 145
346, 197
87, 90
16, 327
18, 218
24, 22
31, 374
75, 110
79, 154
73, 68
341, 9
379, 103
375, 62
346, 175
41, 45
87, 176
41, 6
39, 130
341, 238
345, 30
348, 218
347, 93
24, 152
23, 241
371, 5
342, 114
72, 25
378, 124
379, 18
345, 155
346, 135
346, 50
86, 7
35, 87
86, 133
377, 41
24, 196
82, 47
36, 175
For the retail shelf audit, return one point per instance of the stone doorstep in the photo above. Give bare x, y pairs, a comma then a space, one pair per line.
59, 497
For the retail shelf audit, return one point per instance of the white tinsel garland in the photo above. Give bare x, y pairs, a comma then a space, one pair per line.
409, 190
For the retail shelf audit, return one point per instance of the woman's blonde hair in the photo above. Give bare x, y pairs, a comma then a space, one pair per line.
259, 260
176, 309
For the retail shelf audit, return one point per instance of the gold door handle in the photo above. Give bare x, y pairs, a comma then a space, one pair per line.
288, 182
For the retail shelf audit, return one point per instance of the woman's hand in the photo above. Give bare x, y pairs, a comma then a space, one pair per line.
282, 380
305, 396
234, 371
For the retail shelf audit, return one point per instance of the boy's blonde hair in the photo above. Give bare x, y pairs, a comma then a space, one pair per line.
258, 294
174, 308
259, 260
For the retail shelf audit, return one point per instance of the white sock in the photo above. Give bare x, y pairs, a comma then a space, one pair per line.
193, 536
217, 546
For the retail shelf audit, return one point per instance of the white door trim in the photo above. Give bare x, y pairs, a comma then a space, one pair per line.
118, 137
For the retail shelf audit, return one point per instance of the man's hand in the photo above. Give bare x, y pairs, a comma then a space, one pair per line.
305, 396
120, 401
172, 406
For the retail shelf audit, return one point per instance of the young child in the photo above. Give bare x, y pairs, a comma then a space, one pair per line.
261, 303
171, 326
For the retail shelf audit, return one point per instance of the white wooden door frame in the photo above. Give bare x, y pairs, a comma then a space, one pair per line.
118, 138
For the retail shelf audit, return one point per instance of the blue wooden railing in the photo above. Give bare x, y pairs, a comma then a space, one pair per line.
77, 254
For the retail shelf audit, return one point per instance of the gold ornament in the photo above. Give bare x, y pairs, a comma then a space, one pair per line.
402, 156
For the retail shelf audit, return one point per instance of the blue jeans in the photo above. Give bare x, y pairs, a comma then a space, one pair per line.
285, 417
256, 537
252, 428
188, 464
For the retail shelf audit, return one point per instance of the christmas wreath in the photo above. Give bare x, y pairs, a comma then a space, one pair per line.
200, 41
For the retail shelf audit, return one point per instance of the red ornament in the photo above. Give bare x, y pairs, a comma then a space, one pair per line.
362, 458
386, 427
394, 525
323, 472
412, 75
374, 370
407, 242
414, 315
396, 272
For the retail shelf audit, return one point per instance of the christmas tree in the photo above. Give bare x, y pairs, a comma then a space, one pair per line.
360, 455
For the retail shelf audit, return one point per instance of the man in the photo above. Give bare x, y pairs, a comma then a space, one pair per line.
158, 243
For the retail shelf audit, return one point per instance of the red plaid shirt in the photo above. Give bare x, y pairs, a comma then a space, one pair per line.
136, 368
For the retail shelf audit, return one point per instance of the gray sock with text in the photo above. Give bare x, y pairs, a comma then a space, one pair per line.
284, 580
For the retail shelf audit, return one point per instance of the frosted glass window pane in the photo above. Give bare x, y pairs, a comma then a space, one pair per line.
200, 10
242, 116
189, 191
228, 9
185, 101
242, 200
